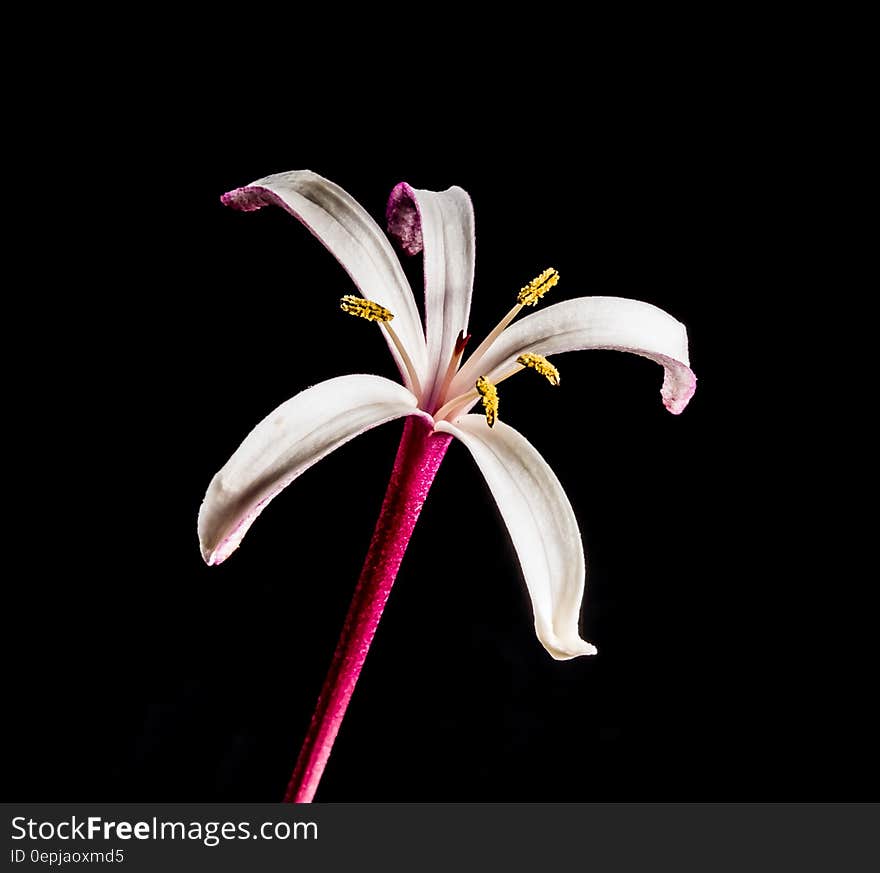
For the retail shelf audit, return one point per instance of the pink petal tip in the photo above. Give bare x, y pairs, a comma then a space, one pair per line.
248, 199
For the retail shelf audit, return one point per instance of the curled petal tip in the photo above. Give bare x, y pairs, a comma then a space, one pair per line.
677, 394
214, 552
243, 199
218, 554
587, 649
565, 651
403, 220
207, 555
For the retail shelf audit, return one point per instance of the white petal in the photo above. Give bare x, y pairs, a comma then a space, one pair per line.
596, 323
286, 443
353, 238
441, 223
542, 526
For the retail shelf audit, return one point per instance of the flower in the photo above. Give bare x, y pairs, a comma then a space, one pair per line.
440, 383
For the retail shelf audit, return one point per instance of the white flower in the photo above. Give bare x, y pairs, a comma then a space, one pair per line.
440, 383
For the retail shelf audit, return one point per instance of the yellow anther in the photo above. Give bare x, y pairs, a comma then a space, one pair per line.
489, 394
541, 365
537, 288
364, 308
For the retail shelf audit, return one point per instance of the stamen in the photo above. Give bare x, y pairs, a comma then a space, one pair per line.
541, 365
372, 311
463, 399
530, 294
363, 308
529, 360
471, 363
489, 394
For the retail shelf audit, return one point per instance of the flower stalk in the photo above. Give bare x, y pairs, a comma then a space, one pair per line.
418, 458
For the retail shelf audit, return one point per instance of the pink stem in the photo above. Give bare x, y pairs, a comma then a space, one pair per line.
418, 459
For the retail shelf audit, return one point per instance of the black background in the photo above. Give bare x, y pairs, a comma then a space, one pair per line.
163, 326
